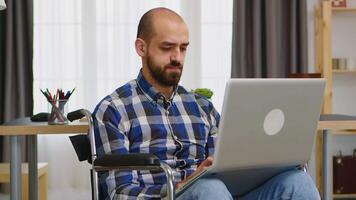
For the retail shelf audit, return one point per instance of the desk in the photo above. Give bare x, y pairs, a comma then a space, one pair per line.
18, 128
342, 125
42, 179
24, 127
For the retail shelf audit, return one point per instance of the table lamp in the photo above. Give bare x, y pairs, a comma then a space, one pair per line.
2, 5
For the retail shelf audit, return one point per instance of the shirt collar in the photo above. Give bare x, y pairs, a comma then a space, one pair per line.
150, 91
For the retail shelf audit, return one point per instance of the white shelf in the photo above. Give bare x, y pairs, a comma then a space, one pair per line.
345, 196
344, 71
344, 9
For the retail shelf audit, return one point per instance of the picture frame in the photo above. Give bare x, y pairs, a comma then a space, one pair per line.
338, 3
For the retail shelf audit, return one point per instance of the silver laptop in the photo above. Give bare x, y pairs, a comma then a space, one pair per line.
267, 126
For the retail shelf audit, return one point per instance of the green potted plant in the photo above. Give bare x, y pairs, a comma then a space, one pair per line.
205, 92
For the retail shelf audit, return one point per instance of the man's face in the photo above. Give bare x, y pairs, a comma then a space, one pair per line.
166, 51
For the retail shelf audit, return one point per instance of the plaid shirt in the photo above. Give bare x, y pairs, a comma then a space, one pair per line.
136, 118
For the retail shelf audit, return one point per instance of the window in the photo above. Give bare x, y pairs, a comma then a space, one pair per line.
90, 45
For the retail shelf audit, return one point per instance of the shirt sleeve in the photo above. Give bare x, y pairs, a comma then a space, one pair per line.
214, 118
111, 126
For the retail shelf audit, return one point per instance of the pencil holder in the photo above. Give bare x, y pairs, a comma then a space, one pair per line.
58, 110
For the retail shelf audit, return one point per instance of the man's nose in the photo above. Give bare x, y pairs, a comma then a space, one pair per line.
177, 55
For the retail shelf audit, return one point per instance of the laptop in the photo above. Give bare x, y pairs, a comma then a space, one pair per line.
267, 126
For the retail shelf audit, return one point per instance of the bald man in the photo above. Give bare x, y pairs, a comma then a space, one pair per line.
153, 114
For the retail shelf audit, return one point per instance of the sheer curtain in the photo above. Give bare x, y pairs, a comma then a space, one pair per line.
89, 45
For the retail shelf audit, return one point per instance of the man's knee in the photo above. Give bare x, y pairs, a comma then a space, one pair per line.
212, 188
298, 184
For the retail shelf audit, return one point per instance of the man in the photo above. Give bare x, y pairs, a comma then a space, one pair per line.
154, 114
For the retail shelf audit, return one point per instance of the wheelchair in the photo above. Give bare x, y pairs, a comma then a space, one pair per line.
85, 149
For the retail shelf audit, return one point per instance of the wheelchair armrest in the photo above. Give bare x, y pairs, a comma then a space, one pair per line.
136, 161
75, 115
125, 160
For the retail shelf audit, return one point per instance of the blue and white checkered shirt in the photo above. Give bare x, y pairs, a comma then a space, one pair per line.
136, 118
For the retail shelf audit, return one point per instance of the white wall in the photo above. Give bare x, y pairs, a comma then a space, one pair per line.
311, 42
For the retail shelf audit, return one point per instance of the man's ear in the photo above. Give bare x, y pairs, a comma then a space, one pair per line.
141, 47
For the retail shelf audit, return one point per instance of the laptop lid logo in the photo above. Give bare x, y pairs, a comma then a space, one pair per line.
274, 122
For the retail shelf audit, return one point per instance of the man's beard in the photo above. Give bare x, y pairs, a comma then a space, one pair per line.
162, 76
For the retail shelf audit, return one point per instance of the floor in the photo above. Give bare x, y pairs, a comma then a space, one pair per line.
68, 194
4, 197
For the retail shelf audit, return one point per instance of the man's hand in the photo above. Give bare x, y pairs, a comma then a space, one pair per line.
206, 163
